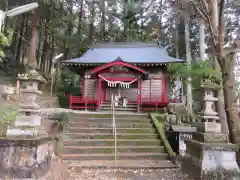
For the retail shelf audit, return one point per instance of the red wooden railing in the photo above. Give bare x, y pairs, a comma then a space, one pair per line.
79, 102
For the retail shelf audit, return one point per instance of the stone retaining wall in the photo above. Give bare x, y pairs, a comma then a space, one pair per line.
29, 158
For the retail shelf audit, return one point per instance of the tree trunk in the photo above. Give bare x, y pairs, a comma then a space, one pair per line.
45, 45
216, 57
32, 61
19, 45
111, 18
141, 25
91, 25
176, 42
25, 47
201, 40
229, 90
40, 36
125, 29
6, 19
15, 39
103, 31
189, 61
69, 31
44, 50
220, 103
80, 18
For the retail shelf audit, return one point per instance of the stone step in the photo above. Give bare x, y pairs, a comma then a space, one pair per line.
73, 129
130, 109
109, 125
111, 149
111, 136
110, 120
110, 142
121, 156
128, 105
109, 115
124, 164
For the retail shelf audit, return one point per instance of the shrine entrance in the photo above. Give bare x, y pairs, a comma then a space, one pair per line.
120, 79
124, 95
125, 89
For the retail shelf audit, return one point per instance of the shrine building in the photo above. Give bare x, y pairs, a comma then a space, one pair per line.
133, 74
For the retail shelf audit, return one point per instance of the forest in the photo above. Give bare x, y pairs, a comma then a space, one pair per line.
192, 30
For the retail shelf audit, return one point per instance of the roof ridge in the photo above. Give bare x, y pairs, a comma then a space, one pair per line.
124, 45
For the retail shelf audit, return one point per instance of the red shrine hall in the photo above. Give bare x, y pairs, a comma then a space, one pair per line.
132, 74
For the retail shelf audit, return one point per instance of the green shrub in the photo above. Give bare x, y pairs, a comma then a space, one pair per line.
61, 120
8, 114
69, 84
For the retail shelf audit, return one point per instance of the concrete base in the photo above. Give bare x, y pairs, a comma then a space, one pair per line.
22, 132
194, 171
30, 132
25, 158
204, 160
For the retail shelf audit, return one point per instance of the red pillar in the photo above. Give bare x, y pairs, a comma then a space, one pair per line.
163, 88
139, 94
83, 84
150, 91
105, 93
166, 89
99, 93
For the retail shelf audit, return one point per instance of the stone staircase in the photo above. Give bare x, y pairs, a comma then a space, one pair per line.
90, 137
106, 106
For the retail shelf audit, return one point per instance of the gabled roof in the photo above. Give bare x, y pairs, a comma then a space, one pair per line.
128, 52
118, 62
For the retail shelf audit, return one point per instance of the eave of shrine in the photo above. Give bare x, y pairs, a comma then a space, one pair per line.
91, 65
137, 54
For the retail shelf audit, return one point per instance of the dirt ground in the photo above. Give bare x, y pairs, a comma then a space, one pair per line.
60, 171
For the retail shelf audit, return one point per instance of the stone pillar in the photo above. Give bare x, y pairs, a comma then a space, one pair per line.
28, 122
27, 150
209, 154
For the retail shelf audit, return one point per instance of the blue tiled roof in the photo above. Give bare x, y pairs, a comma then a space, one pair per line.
131, 53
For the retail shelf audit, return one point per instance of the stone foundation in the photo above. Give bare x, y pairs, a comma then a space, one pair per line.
25, 158
210, 137
209, 155
194, 170
210, 161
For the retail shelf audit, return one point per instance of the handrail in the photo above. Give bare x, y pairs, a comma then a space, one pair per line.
114, 126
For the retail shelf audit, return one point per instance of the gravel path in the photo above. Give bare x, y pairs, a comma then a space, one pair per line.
60, 171
164, 174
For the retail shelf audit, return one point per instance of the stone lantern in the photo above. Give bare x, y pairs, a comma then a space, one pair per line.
28, 123
210, 120
209, 153
27, 150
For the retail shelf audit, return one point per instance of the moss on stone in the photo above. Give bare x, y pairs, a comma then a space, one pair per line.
211, 146
142, 130
8, 113
158, 120
97, 115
